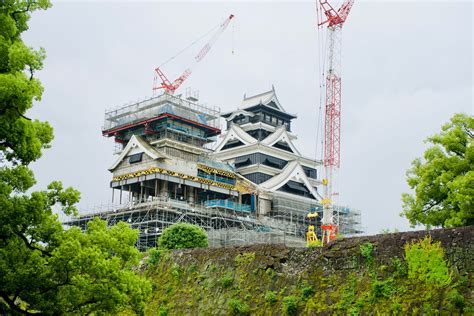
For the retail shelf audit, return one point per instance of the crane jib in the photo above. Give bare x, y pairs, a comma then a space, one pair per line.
171, 87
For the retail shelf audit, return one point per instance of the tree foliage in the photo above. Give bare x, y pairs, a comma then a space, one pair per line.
426, 262
444, 180
43, 268
21, 139
183, 235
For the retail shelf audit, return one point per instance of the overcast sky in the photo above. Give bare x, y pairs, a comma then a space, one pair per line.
407, 68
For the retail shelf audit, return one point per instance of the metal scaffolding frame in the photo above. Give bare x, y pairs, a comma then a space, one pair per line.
224, 227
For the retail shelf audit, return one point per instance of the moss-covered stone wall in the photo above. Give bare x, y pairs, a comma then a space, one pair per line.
366, 275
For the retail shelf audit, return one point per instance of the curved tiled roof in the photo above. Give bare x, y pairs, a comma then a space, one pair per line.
236, 132
281, 134
263, 98
292, 171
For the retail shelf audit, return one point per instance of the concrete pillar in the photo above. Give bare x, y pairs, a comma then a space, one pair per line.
264, 206
164, 189
191, 195
140, 197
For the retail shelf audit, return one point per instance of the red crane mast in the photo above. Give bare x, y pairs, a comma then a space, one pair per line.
334, 19
162, 82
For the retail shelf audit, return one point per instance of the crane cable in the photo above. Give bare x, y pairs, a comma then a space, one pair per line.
321, 71
233, 37
190, 45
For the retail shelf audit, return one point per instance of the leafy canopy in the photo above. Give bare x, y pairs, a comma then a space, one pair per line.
444, 180
426, 262
44, 269
183, 235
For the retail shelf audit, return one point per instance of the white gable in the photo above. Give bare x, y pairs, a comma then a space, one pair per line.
281, 135
137, 145
292, 171
236, 132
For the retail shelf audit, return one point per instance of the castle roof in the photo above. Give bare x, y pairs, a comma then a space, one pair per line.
293, 171
137, 145
267, 99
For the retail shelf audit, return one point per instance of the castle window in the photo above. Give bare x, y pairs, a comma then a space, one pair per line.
283, 145
273, 162
232, 144
242, 161
135, 158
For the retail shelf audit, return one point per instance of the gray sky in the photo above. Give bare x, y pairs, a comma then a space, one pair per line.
407, 67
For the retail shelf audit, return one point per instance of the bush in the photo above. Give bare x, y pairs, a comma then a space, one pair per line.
307, 292
238, 308
227, 280
366, 252
290, 305
154, 256
400, 267
315, 243
163, 311
245, 258
383, 289
182, 235
271, 297
426, 262
456, 299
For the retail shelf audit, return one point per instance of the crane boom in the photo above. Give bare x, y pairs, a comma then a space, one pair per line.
172, 87
332, 117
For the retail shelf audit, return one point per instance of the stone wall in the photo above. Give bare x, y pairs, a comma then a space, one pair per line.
335, 279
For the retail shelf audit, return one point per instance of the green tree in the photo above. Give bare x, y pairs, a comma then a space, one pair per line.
444, 180
183, 235
43, 268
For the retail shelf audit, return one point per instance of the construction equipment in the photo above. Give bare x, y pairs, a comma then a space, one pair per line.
311, 237
333, 20
160, 79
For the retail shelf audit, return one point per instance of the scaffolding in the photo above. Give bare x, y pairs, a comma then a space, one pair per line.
225, 226
155, 106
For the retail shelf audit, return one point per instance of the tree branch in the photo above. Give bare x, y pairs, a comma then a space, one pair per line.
66, 282
30, 246
19, 113
31, 73
431, 205
27, 9
13, 306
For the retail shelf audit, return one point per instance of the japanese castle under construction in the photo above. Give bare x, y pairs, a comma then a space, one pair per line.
253, 186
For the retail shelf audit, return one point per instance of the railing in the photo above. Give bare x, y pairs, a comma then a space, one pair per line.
216, 164
215, 177
227, 204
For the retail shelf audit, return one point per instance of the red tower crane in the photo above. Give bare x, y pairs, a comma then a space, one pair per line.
334, 21
171, 87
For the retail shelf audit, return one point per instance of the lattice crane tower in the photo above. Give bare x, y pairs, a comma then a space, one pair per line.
334, 21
